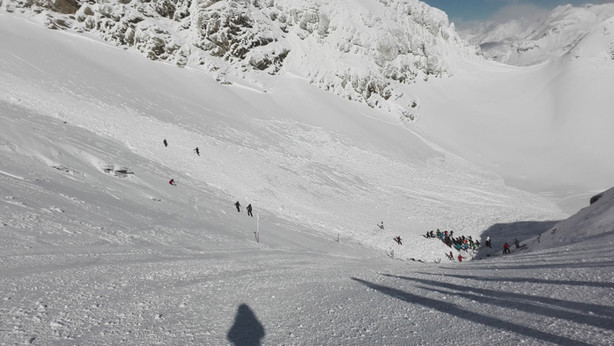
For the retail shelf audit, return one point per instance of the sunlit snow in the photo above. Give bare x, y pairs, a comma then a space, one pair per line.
98, 248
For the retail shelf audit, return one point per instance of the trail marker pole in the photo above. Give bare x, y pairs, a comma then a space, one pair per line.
257, 228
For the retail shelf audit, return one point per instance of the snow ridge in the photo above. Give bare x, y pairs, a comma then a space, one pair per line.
526, 42
357, 50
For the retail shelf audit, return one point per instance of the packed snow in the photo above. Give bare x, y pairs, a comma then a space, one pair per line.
98, 248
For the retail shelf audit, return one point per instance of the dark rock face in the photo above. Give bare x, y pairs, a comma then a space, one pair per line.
595, 198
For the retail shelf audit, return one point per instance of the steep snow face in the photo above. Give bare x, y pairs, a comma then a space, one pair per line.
525, 42
293, 150
592, 224
359, 50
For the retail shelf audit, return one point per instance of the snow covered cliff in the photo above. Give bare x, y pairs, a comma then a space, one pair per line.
359, 50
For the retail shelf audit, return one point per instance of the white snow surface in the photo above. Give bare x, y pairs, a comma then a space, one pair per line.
97, 248
534, 40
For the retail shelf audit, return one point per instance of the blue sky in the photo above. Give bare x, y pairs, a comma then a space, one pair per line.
460, 11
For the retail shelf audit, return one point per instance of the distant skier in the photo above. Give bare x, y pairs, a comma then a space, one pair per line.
398, 240
381, 225
197, 151
506, 248
238, 205
517, 243
172, 182
460, 258
487, 243
165, 142
249, 210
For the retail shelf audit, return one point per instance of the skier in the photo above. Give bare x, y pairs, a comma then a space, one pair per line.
460, 258
197, 151
238, 205
165, 142
506, 248
172, 182
381, 225
517, 243
249, 210
398, 240
488, 242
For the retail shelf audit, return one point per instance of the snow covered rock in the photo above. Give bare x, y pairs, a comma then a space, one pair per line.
359, 52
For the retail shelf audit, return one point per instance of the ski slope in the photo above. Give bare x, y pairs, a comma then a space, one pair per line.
93, 256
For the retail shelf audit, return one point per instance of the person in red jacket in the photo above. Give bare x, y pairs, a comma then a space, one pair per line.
460, 258
506, 248
172, 182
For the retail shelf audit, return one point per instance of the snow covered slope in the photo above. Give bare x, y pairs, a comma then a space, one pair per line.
592, 224
530, 126
290, 149
97, 248
526, 42
544, 128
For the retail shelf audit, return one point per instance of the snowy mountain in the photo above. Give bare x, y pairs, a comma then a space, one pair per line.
96, 247
530, 41
359, 50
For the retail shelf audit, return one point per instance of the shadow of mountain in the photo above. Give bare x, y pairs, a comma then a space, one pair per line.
506, 232
455, 310
246, 330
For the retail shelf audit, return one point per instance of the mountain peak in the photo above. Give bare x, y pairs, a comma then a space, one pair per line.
533, 41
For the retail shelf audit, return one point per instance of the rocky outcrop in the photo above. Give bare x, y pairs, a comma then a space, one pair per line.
355, 52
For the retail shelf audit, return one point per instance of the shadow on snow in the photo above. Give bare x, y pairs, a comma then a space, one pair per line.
506, 232
246, 330
496, 298
531, 280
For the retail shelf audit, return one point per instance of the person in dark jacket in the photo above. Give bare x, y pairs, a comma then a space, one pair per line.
197, 151
238, 205
398, 240
165, 142
249, 210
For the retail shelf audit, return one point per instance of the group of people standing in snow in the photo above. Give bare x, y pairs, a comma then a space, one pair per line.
237, 204
459, 243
